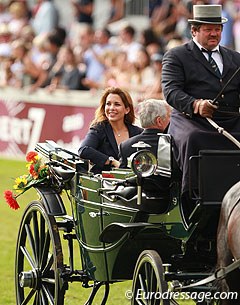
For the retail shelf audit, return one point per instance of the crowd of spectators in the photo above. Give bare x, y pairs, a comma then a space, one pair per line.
36, 52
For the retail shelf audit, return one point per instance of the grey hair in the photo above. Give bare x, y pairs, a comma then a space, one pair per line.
150, 109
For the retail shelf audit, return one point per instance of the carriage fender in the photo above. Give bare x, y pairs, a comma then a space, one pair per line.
52, 201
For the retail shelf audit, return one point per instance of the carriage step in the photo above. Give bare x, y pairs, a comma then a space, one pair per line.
65, 225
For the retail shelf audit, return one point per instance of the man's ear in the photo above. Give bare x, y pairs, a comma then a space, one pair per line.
159, 122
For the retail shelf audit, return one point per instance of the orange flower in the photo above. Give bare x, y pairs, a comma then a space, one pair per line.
11, 199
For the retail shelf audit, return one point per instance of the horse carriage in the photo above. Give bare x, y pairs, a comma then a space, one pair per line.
130, 224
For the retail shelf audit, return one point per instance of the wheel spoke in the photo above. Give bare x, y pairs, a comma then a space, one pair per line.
48, 265
48, 280
48, 295
142, 301
151, 280
42, 238
36, 299
146, 276
142, 283
29, 297
43, 298
28, 257
45, 250
36, 236
31, 240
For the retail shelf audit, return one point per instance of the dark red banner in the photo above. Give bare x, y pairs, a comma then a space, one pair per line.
23, 124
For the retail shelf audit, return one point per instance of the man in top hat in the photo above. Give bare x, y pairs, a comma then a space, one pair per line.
193, 75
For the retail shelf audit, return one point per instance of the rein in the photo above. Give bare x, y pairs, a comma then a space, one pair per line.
224, 132
219, 274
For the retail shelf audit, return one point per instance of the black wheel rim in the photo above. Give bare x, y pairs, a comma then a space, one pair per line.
148, 282
39, 259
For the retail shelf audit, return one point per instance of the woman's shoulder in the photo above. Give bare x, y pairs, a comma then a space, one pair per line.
99, 127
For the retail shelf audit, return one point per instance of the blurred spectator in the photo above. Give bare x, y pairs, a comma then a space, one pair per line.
151, 41
236, 26
25, 72
154, 90
6, 75
128, 43
27, 34
94, 56
52, 45
153, 6
119, 74
83, 10
5, 16
99, 62
83, 42
45, 17
227, 33
148, 36
39, 54
67, 75
5, 40
174, 42
116, 11
142, 72
166, 18
18, 18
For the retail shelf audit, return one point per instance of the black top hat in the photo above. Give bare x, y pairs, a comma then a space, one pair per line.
211, 14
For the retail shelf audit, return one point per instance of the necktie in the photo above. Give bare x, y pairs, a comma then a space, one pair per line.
212, 62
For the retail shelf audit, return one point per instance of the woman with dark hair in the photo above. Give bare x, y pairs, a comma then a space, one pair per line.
113, 124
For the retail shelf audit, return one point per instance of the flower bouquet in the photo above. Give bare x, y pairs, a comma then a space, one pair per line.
37, 173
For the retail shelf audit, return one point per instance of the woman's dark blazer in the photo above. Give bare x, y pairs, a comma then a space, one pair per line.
100, 143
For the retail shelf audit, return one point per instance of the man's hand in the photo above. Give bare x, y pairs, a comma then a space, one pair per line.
204, 107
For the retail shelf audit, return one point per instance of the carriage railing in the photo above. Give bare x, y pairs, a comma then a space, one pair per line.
62, 157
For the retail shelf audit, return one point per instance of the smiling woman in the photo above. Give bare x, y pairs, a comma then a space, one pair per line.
113, 123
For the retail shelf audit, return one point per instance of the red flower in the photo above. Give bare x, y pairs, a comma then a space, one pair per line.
33, 172
30, 157
10, 199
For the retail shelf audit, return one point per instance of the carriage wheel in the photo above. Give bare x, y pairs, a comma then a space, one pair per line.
39, 259
148, 279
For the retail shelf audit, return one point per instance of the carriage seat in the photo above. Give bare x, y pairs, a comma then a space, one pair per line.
164, 155
217, 171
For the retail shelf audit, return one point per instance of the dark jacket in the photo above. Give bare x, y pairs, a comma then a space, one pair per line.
100, 143
148, 136
187, 75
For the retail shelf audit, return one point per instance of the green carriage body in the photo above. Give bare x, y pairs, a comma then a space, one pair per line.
114, 231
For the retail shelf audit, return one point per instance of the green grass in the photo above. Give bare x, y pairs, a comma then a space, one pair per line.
9, 223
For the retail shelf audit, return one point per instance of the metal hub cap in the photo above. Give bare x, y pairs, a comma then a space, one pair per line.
29, 279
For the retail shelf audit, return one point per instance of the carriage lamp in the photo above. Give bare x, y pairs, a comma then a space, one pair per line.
143, 163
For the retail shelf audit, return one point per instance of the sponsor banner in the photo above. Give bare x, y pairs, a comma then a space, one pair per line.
26, 120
